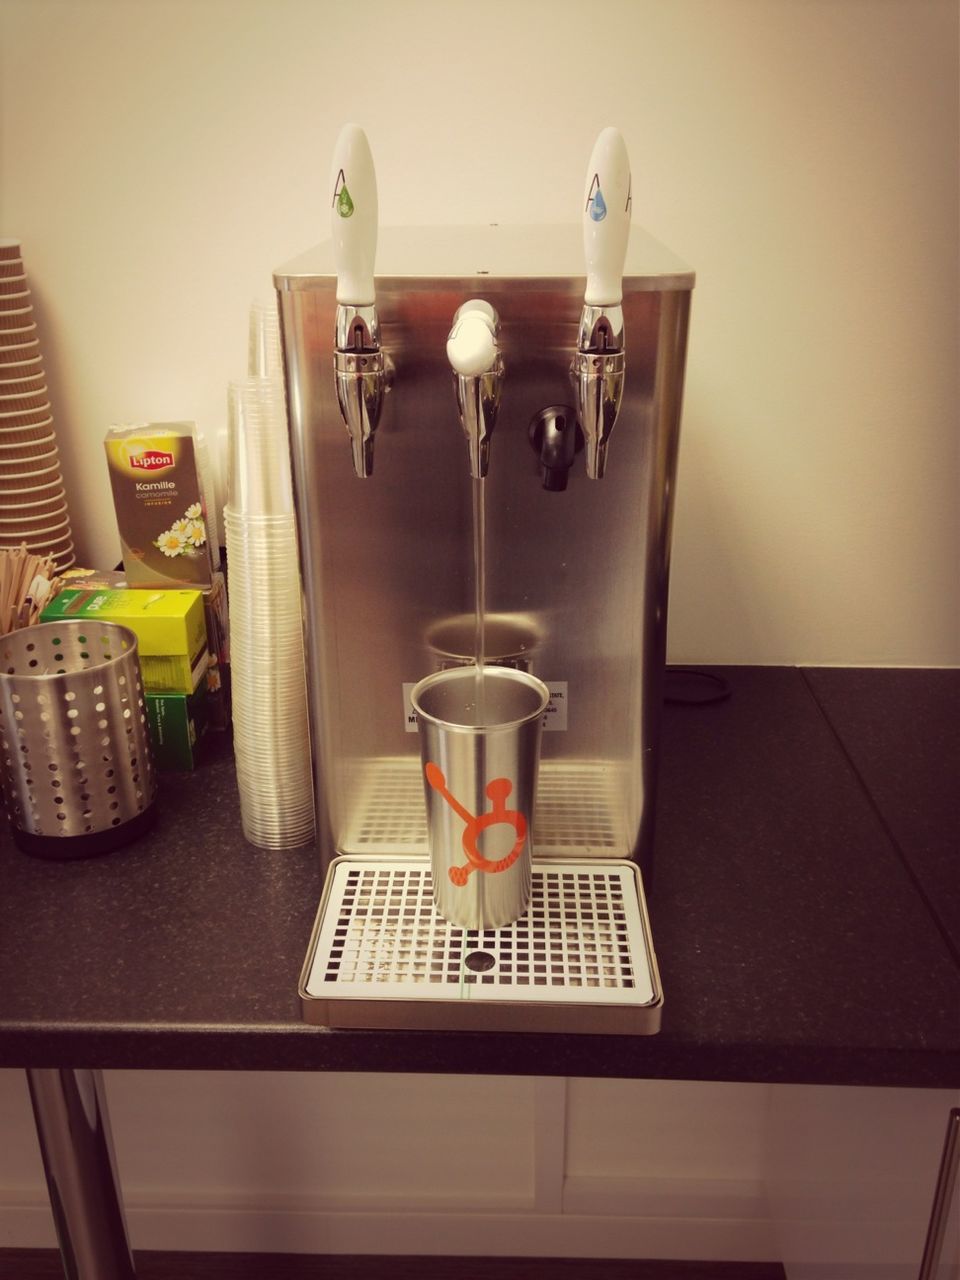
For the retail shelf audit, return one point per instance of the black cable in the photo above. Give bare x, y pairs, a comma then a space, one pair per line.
686, 687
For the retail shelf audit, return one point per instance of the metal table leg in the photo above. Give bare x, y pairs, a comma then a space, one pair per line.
70, 1110
942, 1198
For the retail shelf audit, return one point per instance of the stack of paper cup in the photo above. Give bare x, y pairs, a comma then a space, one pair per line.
33, 504
271, 734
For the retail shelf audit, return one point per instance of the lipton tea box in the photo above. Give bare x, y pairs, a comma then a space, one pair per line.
159, 505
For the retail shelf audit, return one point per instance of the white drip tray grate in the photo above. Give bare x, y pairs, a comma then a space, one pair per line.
581, 959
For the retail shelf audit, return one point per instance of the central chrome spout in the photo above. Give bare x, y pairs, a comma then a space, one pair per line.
474, 355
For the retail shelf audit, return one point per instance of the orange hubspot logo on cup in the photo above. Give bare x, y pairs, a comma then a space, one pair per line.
475, 825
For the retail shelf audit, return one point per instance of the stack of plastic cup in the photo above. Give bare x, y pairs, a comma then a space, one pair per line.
264, 359
271, 733
33, 504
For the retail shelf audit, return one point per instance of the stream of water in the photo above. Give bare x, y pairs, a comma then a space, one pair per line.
480, 594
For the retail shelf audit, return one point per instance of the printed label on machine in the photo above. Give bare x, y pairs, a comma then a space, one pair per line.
555, 716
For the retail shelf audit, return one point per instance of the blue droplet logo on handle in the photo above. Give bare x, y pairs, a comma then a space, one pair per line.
598, 207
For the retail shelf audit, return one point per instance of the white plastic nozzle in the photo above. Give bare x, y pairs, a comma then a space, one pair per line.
353, 217
472, 344
606, 219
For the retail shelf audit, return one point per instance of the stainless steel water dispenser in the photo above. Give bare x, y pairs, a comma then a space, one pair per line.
570, 402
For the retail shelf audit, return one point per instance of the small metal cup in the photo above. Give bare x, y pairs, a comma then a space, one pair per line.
480, 746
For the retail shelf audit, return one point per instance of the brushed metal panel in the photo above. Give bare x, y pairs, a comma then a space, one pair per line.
583, 574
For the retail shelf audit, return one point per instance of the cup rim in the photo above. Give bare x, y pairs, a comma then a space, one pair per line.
450, 675
43, 545
42, 532
20, 364
39, 471
44, 529
7, 494
40, 388
38, 516
36, 358
24, 426
19, 444
27, 634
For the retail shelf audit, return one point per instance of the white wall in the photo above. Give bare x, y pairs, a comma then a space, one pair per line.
158, 159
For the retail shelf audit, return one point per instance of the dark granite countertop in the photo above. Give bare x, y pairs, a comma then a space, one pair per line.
804, 905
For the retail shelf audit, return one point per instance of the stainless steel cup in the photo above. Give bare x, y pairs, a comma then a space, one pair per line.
479, 747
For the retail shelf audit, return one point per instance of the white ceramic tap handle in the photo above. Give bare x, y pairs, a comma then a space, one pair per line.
472, 344
606, 219
353, 217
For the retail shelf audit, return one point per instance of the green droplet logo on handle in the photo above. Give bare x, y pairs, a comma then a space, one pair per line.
344, 203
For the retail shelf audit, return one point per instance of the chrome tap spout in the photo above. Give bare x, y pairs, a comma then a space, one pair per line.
598, 363
362, 377
362, 370
477, 364
598, 375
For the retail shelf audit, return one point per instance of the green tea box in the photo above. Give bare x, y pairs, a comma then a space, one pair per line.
177, 723
170, 627
158, 500
218, 633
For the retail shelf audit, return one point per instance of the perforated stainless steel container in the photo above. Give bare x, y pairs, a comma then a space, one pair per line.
76, 764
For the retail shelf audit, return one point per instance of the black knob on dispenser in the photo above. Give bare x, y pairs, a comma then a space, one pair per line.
557, 438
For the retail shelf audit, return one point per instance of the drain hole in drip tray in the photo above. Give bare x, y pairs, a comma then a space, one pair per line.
480, 961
